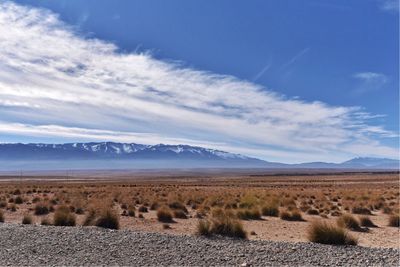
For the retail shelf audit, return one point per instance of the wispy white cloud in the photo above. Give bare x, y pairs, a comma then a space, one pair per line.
369, 81
75, 87
389, 5
371, 77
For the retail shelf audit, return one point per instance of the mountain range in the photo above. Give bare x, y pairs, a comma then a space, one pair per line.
111, 155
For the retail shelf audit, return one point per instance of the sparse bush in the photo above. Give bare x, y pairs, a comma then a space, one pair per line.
313, 212
180, 214
108, 218
249, 214
366, 222
348, 221
291, 216
79, 210
41, 209
164, 215
324, 233
394, 220
143, 209
18, 200
13, 208
178, 206
64, 217
361, 210
221, 224
270, 210
131, 211
90, 217
45, 221
166, 226
154, 206
203, 227
1, 216
27, 219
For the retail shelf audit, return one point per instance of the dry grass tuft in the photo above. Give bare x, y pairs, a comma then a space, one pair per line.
291, 216
249, 214
41, 209
348, 221
324, 233
45, 221
108, 218
270, 210
221, 223
64, 217
366, 222
164, 215
27, 219
394, 220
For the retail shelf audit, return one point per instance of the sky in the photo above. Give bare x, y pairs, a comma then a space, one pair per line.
288, 81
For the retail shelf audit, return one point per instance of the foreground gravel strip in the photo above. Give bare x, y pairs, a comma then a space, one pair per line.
47, 245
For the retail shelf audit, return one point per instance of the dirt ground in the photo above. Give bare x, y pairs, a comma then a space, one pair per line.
372, 186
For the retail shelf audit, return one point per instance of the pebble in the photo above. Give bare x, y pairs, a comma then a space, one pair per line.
31, 245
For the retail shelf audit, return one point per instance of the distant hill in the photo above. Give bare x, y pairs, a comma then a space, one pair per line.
111, 155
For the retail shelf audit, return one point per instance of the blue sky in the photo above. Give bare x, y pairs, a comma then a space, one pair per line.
290, 81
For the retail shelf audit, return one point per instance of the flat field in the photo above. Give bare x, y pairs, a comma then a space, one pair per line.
277, 207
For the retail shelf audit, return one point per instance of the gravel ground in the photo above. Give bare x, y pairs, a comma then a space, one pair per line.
47, 245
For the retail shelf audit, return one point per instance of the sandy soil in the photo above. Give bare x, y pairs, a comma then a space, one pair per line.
269, 228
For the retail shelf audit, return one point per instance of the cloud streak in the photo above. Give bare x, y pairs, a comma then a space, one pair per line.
55, 82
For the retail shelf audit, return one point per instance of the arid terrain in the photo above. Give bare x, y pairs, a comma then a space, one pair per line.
278, 207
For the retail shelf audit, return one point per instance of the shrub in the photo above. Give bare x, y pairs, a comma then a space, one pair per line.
108, 218
1, 216
313, 212
18, 200
366, 222
41, 209
270, 210
166, 226
90, 217
143, 209
180, 214
79, 210
348, 221
361, 210
27, 219
164, 215
291, 216
249, 214
178, 206
131, 211
221, 224
324, 233
154, 206
203, 227
64, 217
45, 221
296, 216
394, 221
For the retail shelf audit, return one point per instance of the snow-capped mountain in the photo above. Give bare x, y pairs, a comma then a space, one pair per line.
111, 155
111, 150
